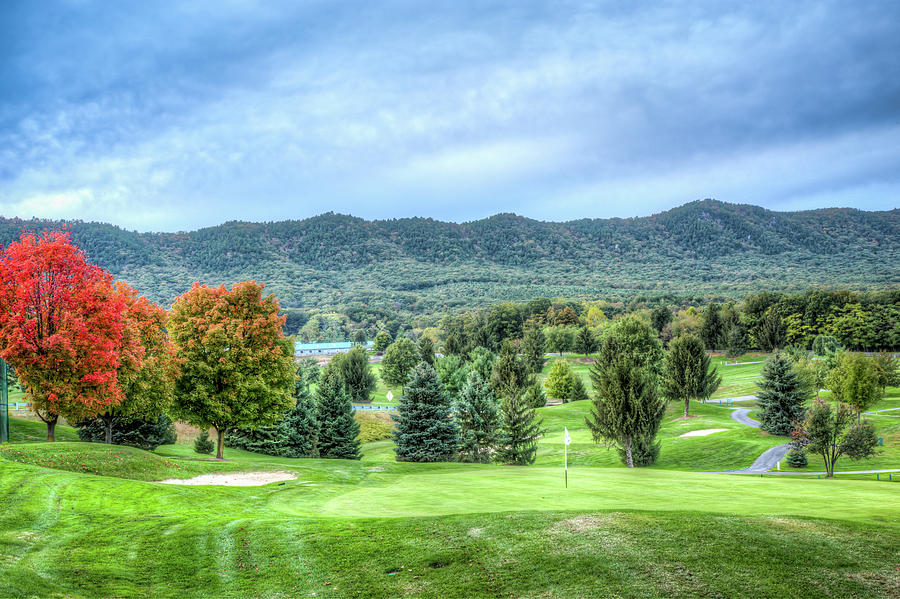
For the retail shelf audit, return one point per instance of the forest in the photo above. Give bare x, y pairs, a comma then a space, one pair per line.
368, 270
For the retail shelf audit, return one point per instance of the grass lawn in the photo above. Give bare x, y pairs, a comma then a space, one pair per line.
378, 528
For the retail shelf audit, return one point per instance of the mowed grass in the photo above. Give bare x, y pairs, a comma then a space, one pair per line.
354, 529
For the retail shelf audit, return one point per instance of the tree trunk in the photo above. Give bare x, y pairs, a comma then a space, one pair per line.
687, 405
220, 441
107, 431
51, 430
628, 461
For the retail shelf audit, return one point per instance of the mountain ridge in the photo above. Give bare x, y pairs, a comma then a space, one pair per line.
423, 264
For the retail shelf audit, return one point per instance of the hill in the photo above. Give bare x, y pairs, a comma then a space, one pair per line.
704, 248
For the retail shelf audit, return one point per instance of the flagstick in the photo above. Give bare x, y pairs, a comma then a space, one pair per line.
566, 463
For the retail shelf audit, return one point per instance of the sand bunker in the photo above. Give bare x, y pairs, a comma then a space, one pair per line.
704, 432
234, 479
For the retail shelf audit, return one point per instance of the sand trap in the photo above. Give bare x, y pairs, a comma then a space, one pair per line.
234, 479
703, 432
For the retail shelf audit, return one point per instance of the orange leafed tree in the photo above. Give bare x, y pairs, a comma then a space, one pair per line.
148, 365
60, 327
237, 365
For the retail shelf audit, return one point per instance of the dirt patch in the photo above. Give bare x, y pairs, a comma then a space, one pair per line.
703, 432
234, 479
688, 417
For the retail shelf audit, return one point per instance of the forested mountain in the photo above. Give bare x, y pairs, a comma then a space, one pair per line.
704, 248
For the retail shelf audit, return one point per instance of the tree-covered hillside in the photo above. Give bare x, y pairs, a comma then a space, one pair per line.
707, 248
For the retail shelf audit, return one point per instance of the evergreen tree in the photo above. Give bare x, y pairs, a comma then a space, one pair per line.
482, 361
520, 432
137, 432
399, 359
713, 330
688, 375
585, 342
356, 374
338, 429
426, 350
533, 348
425, 430
359, 336
510, 375
478, 415
781, 395
627, 411
772, 333
534, 395
660, 317
735, 341
579, 392
452, 372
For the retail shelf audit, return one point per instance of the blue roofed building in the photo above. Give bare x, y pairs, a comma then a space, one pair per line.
323, 349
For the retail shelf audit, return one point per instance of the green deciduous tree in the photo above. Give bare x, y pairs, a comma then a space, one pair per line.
886, 369
713, 330
338, 429
560, 338
854, 381
560, 380
631, 337
520, 432
237, 365
813, 372
830, 432
382, 341
425, 430
399, 359
354, 370
478, 415
781, 395
626, 411
660, 316
687, 372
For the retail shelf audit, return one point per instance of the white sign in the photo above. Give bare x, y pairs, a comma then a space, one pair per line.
390, 396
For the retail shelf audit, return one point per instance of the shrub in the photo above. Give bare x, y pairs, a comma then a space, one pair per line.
143, 434
374, 426
796, 458
203, 444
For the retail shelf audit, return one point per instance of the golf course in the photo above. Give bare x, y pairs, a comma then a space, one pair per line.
92, 520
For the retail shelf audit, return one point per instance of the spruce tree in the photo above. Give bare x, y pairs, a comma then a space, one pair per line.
781, 395
510, 375
425, 430
426, 350
338, 429
687, 372
299, 431
481, 360
520, 432
579, 392
533, 348
627, 411
478, 415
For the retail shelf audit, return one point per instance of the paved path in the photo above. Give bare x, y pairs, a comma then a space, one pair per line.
839, 472
770, 457
740, 415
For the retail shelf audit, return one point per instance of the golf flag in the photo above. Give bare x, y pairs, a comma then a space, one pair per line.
566, 436
566, 440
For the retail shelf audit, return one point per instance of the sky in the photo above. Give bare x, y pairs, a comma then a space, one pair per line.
167, 116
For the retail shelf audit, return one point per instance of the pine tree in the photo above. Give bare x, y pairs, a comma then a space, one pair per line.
626, 410
585, 342
687, 372
781, 395
735, 341
520, 432
299, 431
478, 415
534, 396
338, 429
533, 348
579, 392
713, 330
510, 375
426, 350
425, 430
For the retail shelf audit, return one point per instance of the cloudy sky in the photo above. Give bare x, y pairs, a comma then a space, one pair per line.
159, 116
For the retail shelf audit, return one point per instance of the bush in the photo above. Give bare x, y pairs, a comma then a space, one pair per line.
203, 444
374, 426
143, 434
796, 458
534, 396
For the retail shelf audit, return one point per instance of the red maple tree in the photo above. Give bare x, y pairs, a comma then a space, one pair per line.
60, 327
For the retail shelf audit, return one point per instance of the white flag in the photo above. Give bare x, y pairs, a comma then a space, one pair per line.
566, 436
